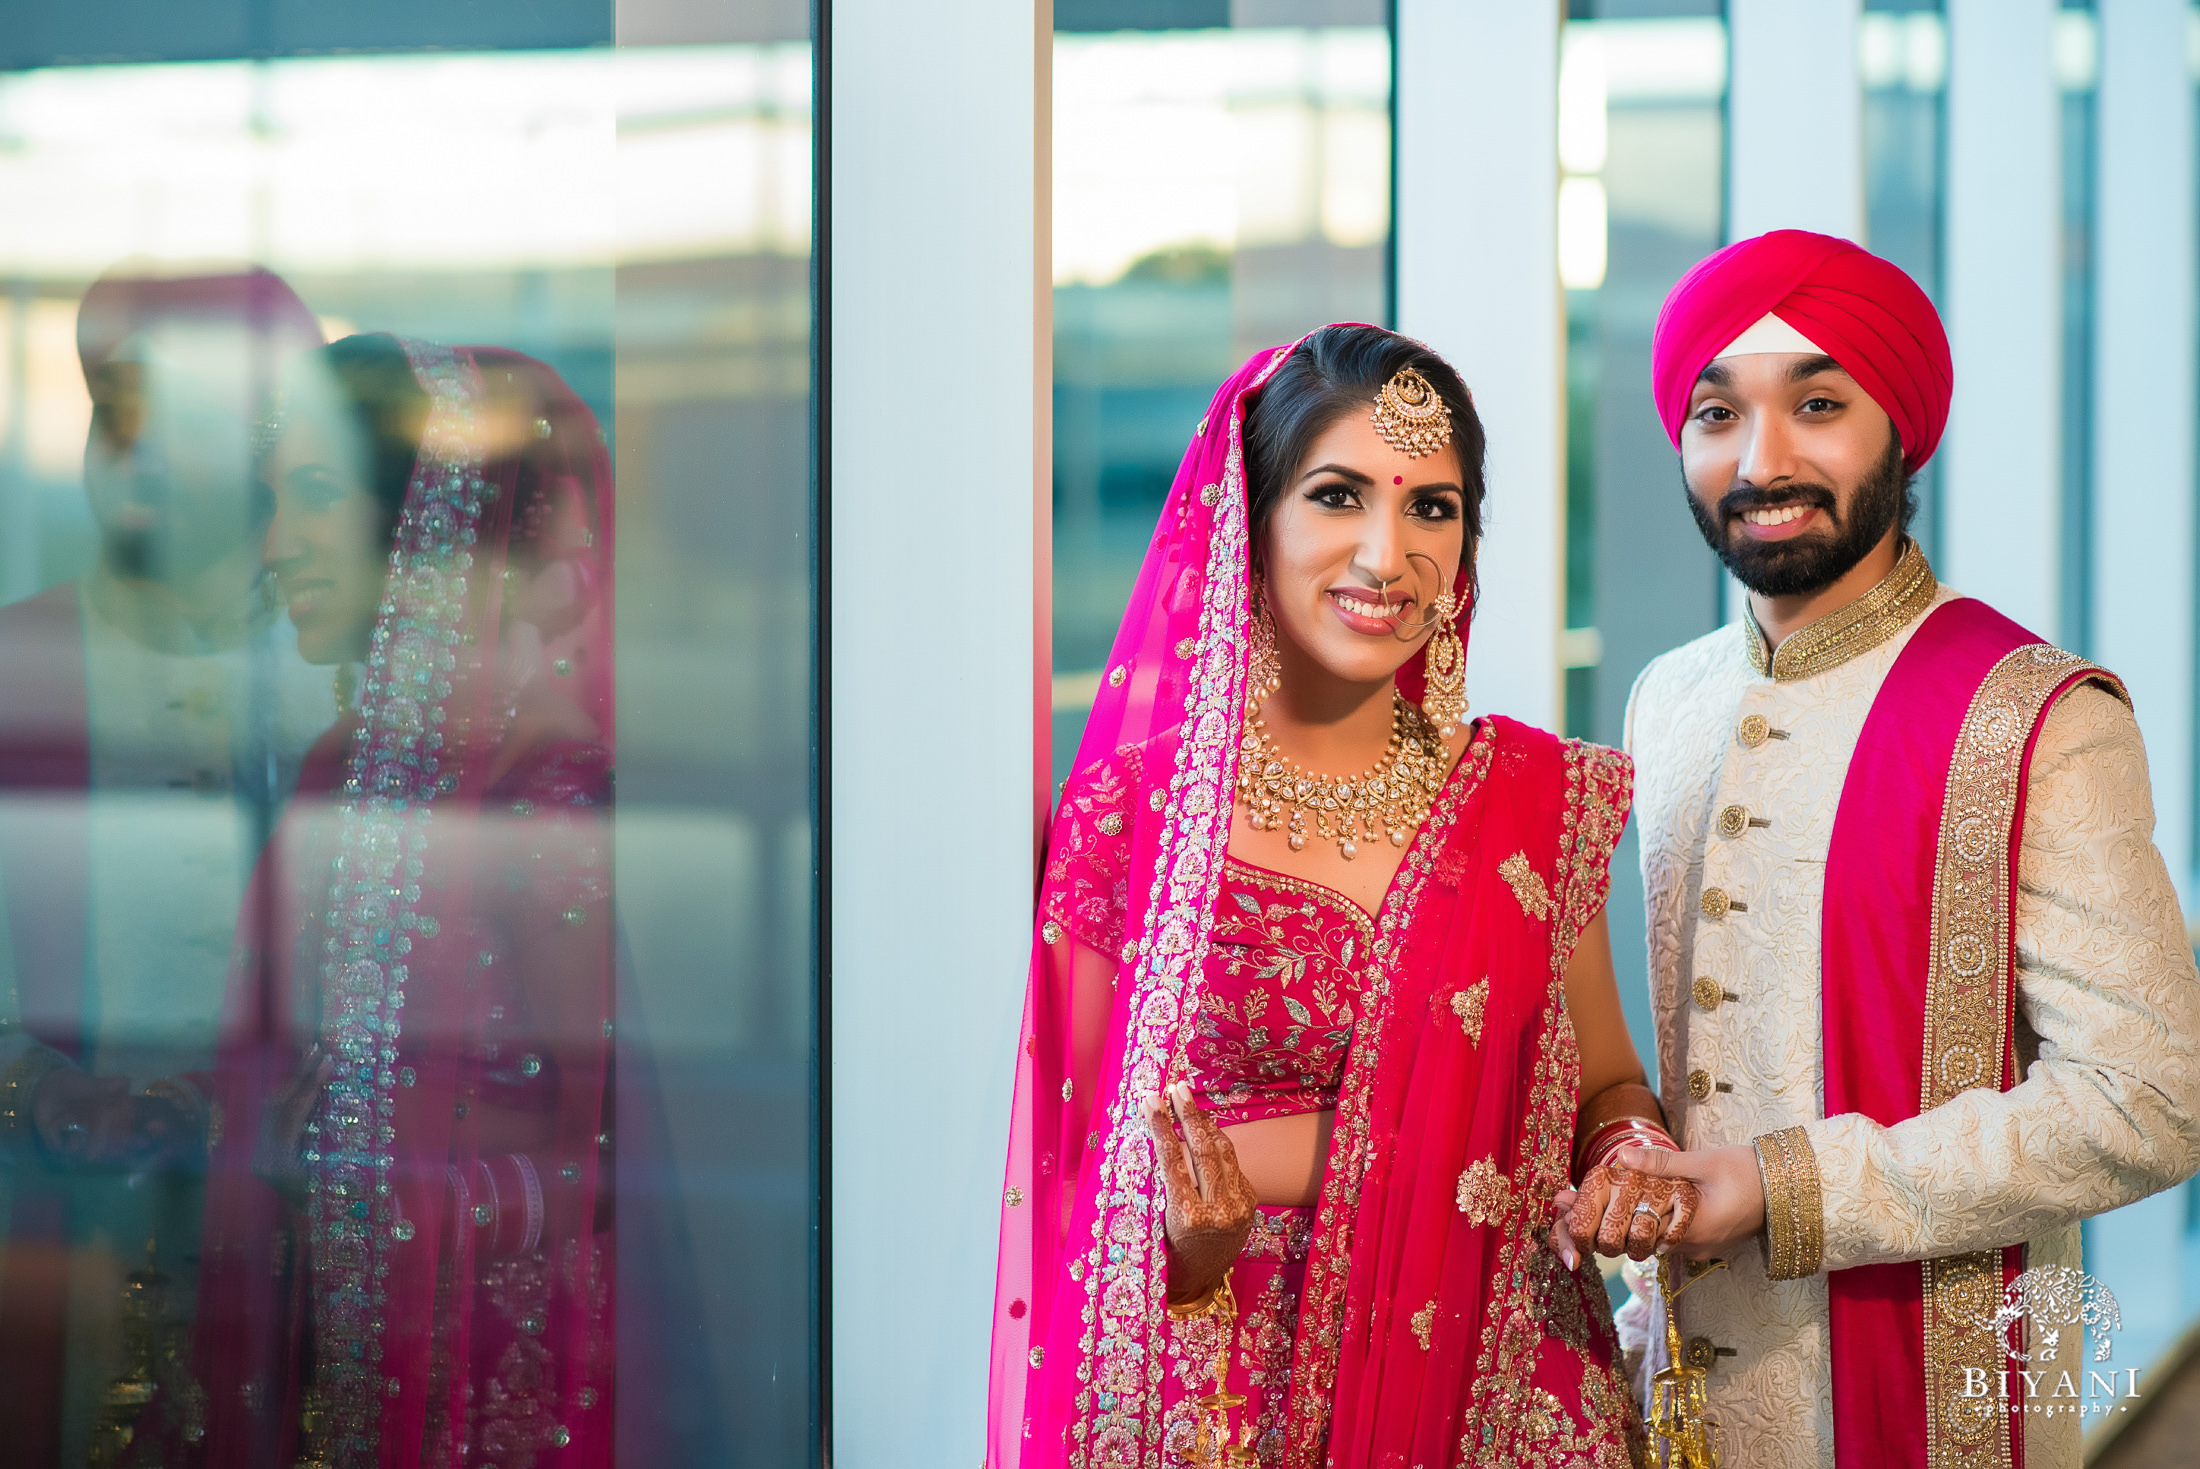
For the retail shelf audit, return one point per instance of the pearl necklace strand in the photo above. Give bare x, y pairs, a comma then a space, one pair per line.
1391, 798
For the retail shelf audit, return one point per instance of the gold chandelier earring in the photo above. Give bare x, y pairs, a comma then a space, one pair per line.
1444, 695
1263, 667
1444, 683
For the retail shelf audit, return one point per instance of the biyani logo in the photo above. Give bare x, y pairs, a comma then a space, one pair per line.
2053, 1298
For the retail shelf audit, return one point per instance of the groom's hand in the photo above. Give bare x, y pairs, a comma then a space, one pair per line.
1730, 1205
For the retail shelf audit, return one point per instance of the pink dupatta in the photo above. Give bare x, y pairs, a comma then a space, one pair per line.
1434, 1326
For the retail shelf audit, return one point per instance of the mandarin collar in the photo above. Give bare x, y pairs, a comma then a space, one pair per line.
1850, 631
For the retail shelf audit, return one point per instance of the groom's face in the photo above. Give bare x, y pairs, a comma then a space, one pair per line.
1794, 474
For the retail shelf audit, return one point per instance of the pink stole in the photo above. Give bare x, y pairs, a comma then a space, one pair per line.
1919, 965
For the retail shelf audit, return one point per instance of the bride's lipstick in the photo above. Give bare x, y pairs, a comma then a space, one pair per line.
1356, 609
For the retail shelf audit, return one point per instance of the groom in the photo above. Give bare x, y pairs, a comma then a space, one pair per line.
1924, 997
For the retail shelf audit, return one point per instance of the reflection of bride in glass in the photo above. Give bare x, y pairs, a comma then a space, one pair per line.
408, 1252
1306, 1058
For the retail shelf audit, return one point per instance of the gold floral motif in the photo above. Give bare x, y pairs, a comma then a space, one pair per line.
1468, 1005
1484, 1193
1424, 1323
1850, 631
1527, 886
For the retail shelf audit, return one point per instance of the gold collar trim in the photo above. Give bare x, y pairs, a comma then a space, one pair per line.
1848, 631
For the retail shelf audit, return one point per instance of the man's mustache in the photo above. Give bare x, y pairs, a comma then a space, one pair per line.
1749, 497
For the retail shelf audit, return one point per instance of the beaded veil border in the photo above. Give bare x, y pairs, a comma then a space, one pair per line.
398, 765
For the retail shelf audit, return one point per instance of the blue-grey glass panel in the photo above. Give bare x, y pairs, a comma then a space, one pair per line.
638, 221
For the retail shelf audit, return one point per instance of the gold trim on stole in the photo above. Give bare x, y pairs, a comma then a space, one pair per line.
1967, 1017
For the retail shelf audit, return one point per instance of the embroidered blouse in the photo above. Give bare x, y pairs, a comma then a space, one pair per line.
1284, 971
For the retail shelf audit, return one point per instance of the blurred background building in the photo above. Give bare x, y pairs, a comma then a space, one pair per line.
899, 316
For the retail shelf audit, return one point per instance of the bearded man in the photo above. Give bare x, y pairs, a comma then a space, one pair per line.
1924, 997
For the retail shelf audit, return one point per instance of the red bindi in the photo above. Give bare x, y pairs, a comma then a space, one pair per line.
1397, 479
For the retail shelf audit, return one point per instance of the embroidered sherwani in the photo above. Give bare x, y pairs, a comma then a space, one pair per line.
1740, 761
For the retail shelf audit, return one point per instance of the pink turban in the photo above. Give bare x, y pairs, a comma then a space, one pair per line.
254, 300
1859, 310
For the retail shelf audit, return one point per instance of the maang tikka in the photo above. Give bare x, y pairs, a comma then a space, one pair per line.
1410, 415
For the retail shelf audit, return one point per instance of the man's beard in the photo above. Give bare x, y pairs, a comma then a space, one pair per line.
1806, 563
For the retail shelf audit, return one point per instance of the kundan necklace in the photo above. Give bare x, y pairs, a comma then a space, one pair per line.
1390, 799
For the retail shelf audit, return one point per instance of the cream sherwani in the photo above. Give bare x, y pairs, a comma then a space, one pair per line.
2108, 1009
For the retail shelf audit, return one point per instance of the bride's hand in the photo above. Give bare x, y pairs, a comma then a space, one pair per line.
1210, 1206
1622, 1211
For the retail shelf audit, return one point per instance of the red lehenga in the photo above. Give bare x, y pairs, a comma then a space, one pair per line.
434, 915
1416, 1315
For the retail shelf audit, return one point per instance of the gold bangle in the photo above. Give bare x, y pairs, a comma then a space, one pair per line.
1795, 1216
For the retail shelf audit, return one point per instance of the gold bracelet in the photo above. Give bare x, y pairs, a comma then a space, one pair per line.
1795, 1216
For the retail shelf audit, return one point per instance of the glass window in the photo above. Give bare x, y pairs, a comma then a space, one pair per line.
349, 1111
1642, 148
1902, 65
1221, 184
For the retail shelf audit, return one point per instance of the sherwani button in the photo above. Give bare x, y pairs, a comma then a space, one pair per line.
1735, 820
1709, 992
1699, 1084
1755, 729
1701, 1353
1717, 904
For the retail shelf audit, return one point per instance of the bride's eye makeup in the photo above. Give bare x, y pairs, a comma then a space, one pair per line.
1334, 495
1437, 506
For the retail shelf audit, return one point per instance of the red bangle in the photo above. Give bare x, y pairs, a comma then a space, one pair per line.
1626, 1132
1589, 1144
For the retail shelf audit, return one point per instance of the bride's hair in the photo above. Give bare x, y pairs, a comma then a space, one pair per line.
1338, 371
389, 409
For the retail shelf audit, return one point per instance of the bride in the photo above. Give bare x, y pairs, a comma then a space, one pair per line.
1321, 1014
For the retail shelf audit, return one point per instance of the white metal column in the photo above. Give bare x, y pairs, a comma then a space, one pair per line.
2001, 480
936, 281
2144, 393
1795, 130
2142, 534
1477, 241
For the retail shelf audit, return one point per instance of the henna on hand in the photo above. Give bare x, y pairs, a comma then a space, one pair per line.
1605, 1211
1210, 1207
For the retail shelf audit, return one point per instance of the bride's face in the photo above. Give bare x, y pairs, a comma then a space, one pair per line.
1361, 542
328, 543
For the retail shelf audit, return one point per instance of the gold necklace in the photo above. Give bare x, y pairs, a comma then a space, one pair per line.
1390, 798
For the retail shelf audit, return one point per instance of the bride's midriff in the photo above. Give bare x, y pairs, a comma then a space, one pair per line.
1283, 1157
